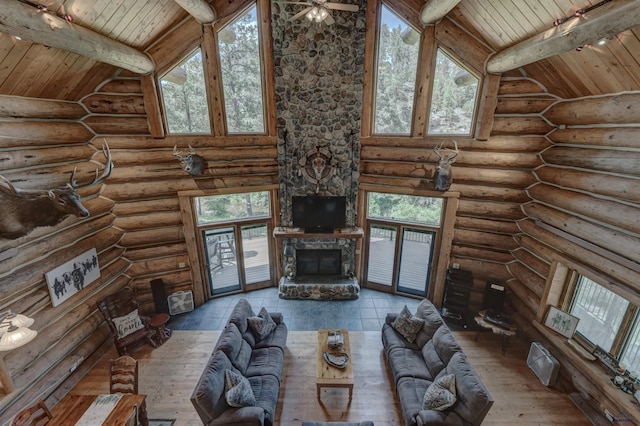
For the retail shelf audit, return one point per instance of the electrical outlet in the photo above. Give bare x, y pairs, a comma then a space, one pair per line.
181, 265
76, 364
608, 415
455, 265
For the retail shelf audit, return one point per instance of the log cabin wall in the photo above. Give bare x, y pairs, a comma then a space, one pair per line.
43, 141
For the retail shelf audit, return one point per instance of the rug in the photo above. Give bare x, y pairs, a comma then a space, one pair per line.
161, 422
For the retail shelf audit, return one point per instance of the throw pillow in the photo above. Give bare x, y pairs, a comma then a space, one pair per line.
128, 324
407, 324
441, 394
262, 325
239, 392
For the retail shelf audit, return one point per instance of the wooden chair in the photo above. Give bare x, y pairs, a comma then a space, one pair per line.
36, 415
124, 375
119, 310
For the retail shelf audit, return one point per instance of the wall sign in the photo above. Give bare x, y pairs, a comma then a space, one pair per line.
71, 277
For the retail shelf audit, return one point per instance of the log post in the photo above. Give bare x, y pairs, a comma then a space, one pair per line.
199, 9
434, 10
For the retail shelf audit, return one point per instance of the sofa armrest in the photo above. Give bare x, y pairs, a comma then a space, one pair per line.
390, 318
276, 317
433, 417
248, 416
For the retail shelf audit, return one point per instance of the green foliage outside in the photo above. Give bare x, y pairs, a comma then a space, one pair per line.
241, 77
395, 78
185, 105
405, 208
222, 208
452, 106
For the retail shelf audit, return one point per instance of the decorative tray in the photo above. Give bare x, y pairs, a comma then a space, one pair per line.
336, 359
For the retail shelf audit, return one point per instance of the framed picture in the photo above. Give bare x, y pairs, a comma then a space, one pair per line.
561, 322
606, 359
71, 277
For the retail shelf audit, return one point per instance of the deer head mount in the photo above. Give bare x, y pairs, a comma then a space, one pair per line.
23, 210
442, 177
191, 163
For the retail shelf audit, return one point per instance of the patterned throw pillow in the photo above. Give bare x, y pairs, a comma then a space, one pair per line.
239, 392
128, 324
407, 325
441, 394
262, 325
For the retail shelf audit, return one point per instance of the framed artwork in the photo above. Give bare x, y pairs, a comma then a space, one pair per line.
561, 322
71, 277
606, 358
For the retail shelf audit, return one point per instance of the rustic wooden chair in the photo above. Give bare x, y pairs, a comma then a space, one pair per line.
127, 326
36, 415
123, 375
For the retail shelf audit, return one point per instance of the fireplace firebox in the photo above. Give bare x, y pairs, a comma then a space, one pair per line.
318, 262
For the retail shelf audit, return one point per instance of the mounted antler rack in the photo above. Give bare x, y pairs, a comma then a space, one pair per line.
442, 177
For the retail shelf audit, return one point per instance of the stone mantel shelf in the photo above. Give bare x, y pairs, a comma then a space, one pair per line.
349, 232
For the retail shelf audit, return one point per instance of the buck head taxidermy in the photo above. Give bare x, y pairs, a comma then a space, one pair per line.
191, 163
442, 177
23, 210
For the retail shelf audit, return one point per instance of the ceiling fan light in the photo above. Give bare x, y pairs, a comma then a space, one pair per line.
323, 14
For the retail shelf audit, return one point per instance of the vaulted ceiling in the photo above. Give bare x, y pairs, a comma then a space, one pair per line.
34, 70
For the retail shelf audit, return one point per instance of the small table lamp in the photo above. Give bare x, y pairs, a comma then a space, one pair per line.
14, 332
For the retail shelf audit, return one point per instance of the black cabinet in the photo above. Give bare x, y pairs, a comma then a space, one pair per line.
456, 297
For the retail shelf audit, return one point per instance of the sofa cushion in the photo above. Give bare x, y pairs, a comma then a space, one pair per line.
441, 394
266, 389
410, 392
405, 362
445, 343
277, 339
407, 325
474, 400
208, 396
238, 390
240, 313
392, 339
432, 321
261, 325
235, 347
265, 361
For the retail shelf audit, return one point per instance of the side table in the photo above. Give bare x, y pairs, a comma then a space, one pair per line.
504, 333
158, 322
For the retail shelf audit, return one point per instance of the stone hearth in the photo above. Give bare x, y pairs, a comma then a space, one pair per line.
319, 287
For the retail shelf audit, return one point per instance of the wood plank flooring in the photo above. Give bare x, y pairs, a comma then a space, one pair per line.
169, 374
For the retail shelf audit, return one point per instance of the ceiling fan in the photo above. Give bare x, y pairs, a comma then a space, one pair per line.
318, 10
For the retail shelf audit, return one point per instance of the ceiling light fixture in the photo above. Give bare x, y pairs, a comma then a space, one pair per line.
15, 331
317, 14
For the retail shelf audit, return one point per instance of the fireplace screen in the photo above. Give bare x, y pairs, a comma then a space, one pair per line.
318, 262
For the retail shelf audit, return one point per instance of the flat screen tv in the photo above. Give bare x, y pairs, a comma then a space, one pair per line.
319, 214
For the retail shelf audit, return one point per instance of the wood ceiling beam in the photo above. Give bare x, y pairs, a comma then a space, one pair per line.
199, 9
21, 20
434, 10
606, 21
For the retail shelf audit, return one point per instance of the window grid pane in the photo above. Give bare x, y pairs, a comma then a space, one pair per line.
223, 208
600, 311
398, 45
405, 208
239, 50
631, 354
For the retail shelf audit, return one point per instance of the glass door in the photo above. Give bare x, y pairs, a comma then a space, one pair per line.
416, 255
255, 254
221, 259
382, 249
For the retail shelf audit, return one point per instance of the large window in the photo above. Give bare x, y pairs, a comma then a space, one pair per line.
395, 75
185, 97
453, 101
232, 207
239, 50
606, 319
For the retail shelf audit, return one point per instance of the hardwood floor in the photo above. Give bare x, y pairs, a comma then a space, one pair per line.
169, 374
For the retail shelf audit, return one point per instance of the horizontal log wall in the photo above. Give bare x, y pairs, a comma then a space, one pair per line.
41, 142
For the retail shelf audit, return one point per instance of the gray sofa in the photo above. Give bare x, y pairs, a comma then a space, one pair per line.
260, 361
433, 354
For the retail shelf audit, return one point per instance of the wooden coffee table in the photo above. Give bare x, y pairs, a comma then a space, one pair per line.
328, 376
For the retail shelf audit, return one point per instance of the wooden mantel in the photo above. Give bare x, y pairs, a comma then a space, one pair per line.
349, 232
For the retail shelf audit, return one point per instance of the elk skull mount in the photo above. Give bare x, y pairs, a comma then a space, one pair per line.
317, 166
442, 176
23, 210
191, 163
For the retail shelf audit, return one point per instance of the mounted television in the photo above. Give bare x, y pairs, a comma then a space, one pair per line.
319, 214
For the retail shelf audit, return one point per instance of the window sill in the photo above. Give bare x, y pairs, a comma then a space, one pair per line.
625, 404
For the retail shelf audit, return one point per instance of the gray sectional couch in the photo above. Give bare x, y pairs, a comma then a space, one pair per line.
433, 354
258, 360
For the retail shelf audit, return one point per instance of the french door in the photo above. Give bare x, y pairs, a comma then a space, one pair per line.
237, 257
399, 257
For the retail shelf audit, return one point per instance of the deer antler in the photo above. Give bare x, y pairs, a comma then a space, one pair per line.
9, 184
439, 149
99, 178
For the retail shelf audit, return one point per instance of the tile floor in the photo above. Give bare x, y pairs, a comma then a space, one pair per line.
367, 313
